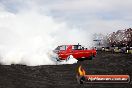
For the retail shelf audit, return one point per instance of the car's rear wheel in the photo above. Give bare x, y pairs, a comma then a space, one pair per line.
80, 59
91, 57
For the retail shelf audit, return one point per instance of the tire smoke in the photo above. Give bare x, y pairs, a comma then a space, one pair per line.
26, 37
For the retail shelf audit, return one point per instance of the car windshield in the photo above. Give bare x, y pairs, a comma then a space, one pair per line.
58, 48
63, 47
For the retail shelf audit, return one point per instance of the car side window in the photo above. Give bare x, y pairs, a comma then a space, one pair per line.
76, 47
79, 48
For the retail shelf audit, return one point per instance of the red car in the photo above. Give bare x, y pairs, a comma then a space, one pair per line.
77, 51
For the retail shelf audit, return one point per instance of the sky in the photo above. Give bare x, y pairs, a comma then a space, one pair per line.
95, 16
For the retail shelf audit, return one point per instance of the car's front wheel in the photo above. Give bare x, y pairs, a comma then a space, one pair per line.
68, 57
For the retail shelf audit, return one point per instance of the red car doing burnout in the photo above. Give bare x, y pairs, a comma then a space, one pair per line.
77, 51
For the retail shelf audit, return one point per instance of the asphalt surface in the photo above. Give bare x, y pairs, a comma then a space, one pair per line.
64, 76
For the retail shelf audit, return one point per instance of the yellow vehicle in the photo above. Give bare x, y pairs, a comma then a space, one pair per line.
107, 49
129, 51
117, 50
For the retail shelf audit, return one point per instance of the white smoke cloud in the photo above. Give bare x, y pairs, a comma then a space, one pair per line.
28, 35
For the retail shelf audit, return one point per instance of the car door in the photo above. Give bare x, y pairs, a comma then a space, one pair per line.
77, 52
